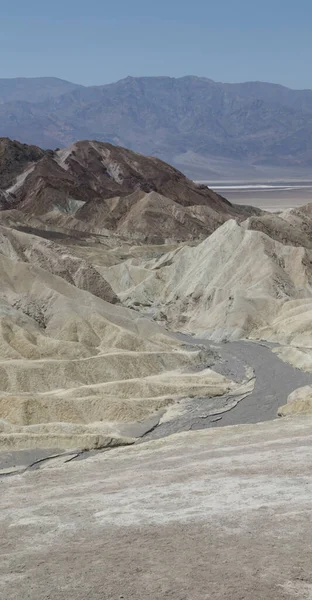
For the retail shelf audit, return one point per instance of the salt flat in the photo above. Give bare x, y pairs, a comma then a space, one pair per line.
270, 196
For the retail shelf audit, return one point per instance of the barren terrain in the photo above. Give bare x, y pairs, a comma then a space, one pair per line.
171, 322
272, 196
222, 514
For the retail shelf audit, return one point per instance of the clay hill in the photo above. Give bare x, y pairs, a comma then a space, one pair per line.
77, 369
93, 186
246, 280
90, 301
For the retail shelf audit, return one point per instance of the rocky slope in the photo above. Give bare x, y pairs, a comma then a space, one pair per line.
97, 186
80, 365
240, 282
76, 369
14, 160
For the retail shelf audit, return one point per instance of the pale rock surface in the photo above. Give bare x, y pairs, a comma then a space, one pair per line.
298, 402
221, 513
236, 283
74, 368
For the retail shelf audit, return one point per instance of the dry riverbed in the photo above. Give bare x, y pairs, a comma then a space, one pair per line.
264, 384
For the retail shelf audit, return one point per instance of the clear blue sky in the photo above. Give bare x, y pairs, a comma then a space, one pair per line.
100, 41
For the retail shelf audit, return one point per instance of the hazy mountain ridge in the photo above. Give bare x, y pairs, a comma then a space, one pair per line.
185, 121
36, 89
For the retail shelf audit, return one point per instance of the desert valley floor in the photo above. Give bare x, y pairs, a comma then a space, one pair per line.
272, 196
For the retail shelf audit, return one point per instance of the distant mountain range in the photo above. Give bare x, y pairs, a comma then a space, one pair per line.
209, 130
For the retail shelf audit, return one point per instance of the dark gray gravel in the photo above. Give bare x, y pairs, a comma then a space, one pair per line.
274, 381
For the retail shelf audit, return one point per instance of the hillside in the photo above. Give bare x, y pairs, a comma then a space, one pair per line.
104, 254
76, 368
35, 89
94, 187
207, 128
249, 280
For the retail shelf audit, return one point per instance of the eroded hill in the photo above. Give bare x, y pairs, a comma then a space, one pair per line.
93, 187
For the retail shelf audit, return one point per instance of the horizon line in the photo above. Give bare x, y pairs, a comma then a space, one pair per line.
251, 81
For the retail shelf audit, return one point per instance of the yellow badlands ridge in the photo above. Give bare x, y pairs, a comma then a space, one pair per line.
74, 368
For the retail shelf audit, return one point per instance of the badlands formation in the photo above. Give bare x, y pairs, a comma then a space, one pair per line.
75, 364
77, 368
239, 282
135, 305
104, 256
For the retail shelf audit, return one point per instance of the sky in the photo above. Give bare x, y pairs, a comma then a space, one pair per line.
94, 42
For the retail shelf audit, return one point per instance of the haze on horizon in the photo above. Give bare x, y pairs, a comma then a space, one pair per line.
96, 43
